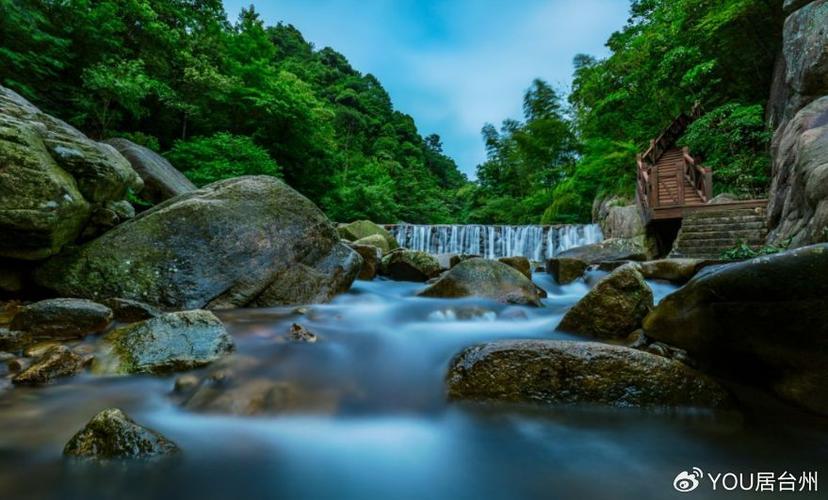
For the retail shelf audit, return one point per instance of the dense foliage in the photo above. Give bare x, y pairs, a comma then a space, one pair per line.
225, 99
670, 55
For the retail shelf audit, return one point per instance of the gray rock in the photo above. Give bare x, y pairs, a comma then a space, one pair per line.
360, 229
565, 270
58, 361
377, 241
161, 180
111, 434
130, 311
485, 278
299, 333
243, 241
62, 318
617, 217
171, 342
674, 270
520, 263
408, 265
567, 372
613, 308
371, 260
610, 249
764, 320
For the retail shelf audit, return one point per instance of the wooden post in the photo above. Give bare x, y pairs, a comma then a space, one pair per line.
654, 187
680, 181
708, 183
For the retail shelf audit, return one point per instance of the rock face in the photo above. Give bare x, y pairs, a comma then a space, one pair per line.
522, 264
58, 361
408, 265
610, 249
168, 343
363, 228
555, 371
62, 318
485, 278
614, 308
111, 434
243, 241
52, 178
765, 320
375, 240
161, 180
798, 205
565, 270
618, 218
371, 259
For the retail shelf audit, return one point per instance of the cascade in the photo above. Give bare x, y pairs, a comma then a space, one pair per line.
534, 242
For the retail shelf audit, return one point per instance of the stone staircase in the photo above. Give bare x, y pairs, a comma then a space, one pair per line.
707, 234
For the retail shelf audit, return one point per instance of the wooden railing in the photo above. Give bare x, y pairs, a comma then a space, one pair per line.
699, 177
690, 175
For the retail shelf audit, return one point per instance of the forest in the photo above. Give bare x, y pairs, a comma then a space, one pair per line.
222, 98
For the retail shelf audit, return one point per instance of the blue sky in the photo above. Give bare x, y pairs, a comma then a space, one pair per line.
454, 65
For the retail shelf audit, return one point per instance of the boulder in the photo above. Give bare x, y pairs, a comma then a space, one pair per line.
130, 311
565, 270
371, 259
798, 203
409, 265
111, 434
674, 270
171, 342
568, 372
243, 241
14, 340
375, 240
485, 278
617, 217
357, 230
764, 321
458, 258
62, 318
610, 249
723, 198
58, 361
52, 178
161, 180
613, 308
522, 264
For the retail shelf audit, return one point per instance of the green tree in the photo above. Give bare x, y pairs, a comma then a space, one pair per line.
222, 156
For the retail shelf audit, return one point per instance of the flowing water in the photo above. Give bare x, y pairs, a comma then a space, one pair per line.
374, 423
534, 242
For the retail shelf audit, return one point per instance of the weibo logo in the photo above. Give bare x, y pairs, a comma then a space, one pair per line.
687, 481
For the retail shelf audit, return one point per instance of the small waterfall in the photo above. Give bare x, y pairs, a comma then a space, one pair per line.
534, 242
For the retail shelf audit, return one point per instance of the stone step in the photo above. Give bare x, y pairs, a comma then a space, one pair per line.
725, 226
738, 234
735, 212
737, 219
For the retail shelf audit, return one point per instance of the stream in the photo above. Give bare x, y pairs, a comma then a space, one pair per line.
372, 420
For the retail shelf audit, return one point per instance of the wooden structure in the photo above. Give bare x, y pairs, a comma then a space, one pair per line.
672, 183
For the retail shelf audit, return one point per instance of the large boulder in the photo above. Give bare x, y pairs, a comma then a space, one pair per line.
56, 362
243, 241
375, 240
363, 228
617, 217
764, 320
613, 308
62, 318
161, 180
522, 264
410, 265
111, 434
567, 372
485, 278
674, 270
798, 205
52, 179
167, 343
565, 270
610, 249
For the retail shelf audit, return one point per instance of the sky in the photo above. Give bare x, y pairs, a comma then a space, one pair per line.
454, 65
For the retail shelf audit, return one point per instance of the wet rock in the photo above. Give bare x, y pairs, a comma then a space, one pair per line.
567, 372
52, 178
485, 278
520, 263
458, 258
613, 308
408, 265
565, 270
299, 333
674, 270
360, 229
186, 383
243, 241
161, 180
62, 318
58, 361
170, 342
111, 434
371, 260
610, 249
377, 241
130, 311
258, 396
14, 340
17, 365
764, 321
38, 349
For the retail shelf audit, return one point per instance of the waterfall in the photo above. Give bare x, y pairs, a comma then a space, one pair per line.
534, 242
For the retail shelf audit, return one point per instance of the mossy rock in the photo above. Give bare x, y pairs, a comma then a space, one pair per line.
565, 270
112, 435
375, 240
357, 230
485, 278
409, 265
58, 361
569, 372
62, 318
522, 264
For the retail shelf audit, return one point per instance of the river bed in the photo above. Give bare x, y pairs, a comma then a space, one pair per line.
373, 421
